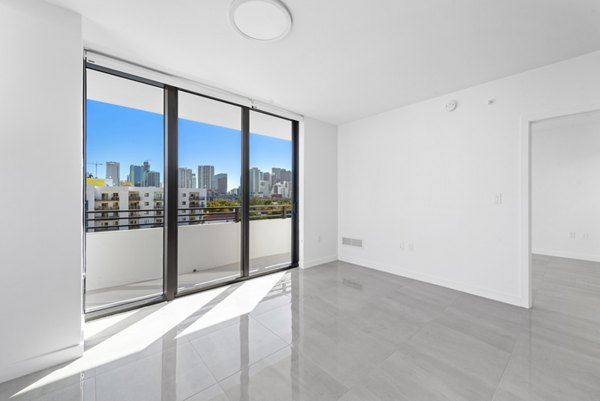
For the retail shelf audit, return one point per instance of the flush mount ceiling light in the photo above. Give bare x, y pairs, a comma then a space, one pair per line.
262, 20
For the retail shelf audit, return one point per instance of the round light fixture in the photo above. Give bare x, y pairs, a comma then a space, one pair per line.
262, 20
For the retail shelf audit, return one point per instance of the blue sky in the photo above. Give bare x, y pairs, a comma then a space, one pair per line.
130, 136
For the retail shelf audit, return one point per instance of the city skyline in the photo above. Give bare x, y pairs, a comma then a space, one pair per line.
188, 179
131, 136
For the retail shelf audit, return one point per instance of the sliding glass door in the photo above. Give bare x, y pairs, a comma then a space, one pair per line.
183, 192
124, 173
271, 192
209, 215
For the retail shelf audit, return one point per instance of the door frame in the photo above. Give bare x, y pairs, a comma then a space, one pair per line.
525, 241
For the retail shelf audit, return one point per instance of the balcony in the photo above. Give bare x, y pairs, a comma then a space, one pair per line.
123, 257
131, 258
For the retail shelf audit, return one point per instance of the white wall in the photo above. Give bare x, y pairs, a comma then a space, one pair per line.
423, 176
40, 160
318, 203
565, 187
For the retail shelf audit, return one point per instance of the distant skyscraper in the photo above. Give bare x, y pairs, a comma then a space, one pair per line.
255, 176
264, 188
146, 166
206, 175
152, 179
286, 175
194, 181
136, 175
280, 175
221, 183
276, 174
185, 177
113, 172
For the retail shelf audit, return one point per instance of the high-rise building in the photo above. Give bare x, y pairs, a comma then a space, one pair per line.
264, 188
153, 179
280, 175
113, 172
206, 175
286, 175
221, 183
255, 176
185, 177
282, 190
136, 175
275, 175
194, 181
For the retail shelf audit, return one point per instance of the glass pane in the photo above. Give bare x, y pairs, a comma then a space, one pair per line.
270, 192
124, 191
209, 186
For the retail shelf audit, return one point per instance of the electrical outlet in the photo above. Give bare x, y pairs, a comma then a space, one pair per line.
572, 235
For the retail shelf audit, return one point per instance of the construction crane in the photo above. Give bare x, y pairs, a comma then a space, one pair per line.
96, 164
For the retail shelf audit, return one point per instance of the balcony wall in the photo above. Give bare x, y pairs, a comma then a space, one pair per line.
116, 258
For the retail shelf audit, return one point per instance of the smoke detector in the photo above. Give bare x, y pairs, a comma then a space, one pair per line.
261, 20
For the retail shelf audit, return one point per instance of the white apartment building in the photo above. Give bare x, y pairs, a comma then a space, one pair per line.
124, 208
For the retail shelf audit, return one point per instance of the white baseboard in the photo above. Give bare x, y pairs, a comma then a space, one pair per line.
567, 254
319, 261
41, 362
481, 292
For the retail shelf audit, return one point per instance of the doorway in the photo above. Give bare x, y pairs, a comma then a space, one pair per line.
565, 214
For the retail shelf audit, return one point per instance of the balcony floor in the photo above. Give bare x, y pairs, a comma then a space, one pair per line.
143, 289
342, 332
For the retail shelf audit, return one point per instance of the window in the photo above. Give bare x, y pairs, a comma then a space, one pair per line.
124, 150
210, 144
229, 186
271, 192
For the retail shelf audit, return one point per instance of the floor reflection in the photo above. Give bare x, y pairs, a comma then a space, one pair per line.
342, 332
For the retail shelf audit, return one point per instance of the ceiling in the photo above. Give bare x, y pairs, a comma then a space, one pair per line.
345, 59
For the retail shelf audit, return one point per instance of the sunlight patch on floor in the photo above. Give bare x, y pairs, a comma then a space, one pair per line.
243, 300
132, 339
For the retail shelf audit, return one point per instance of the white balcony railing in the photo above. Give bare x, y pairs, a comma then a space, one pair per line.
123, 257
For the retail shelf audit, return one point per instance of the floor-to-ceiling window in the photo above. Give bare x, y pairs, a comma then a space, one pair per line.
182, 192
271, 191
210, 150
124, 173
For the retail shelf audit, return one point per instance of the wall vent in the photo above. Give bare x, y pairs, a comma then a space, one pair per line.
352, 242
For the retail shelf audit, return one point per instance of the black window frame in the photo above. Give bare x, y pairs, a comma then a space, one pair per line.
170, 241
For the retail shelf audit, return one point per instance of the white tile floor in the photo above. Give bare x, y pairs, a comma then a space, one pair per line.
342, 332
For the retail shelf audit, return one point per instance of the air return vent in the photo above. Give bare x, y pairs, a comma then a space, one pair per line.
352, 242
